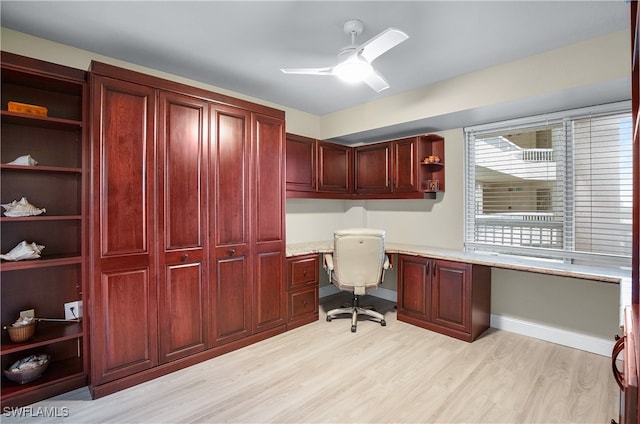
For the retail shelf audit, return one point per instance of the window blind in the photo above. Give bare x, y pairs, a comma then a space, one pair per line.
556, 186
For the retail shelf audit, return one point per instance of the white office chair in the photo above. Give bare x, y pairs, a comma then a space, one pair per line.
357, 264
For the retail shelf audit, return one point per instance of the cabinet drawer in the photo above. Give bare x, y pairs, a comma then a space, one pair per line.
303, 302
302, 271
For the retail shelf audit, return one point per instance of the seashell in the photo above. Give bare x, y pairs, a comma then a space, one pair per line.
21, 208
25, 160
22, 251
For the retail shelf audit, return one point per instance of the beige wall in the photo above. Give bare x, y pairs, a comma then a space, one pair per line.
576, 305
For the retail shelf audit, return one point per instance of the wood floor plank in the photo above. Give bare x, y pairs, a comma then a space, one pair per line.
323, 373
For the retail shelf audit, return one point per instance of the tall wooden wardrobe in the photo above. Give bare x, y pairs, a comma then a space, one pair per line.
187, 217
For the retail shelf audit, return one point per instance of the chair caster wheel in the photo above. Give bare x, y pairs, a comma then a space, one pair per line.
353, 328
383, 323
328, 319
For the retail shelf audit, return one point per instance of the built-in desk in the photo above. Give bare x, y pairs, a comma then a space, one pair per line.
493, 260
600, 274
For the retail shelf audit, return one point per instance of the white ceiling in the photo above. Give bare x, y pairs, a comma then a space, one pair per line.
241, 45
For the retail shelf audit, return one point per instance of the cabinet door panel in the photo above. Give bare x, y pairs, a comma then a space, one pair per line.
182, 170
269, 187
231, 282
125, 342
300, 163
232, 299
269, 306
334, 173
373, 167
126, 143
231, 130
124, 287
405, 165
450, 295
414, 279
182, 179
269, 293
181, 315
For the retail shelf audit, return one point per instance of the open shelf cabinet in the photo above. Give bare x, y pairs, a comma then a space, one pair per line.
57, 183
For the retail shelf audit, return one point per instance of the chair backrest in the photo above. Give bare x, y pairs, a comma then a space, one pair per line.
358, 258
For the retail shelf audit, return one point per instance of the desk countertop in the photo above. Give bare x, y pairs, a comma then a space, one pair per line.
608, 275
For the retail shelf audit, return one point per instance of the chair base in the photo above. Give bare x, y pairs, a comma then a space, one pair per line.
354, 310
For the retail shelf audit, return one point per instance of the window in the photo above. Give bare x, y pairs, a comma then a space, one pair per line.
557, 186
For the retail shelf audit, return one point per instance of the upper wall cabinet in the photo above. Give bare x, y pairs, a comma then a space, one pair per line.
317, 168
301, 164
335, 173
408, 168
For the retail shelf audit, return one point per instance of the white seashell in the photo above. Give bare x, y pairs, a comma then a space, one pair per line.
21, 208
25, 160
22, 251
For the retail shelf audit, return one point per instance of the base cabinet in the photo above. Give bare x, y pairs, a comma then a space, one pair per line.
302, 289
448, 297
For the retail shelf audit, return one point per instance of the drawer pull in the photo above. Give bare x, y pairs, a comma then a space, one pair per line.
184, 257
232, 252
617, 348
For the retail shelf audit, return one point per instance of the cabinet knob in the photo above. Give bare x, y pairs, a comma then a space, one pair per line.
184, 257
232, 252
304, 273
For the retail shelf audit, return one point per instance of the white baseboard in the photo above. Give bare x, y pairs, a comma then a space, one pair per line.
555, 335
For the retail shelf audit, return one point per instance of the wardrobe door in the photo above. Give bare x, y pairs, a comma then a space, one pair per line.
182, 213
123, 309
269, 300
230, 223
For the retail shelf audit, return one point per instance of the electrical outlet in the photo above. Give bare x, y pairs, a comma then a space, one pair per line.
73, 310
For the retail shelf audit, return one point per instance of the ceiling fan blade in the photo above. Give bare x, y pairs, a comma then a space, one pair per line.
308, 71
386, 40
376, 81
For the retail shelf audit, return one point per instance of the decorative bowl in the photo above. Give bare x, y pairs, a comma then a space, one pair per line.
26, 375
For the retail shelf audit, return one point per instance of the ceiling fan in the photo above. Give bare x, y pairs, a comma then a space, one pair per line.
355, 60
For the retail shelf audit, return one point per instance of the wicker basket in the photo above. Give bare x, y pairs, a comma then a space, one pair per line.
21, 334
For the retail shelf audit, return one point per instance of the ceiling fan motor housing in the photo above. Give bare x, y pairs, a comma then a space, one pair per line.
353, 27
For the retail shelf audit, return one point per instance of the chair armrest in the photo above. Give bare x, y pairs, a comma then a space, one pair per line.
385, 266
328, 264
328, 261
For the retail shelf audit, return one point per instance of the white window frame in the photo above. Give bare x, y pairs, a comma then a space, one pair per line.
565, 254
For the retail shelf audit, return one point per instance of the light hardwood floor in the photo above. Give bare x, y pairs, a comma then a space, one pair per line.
323, 373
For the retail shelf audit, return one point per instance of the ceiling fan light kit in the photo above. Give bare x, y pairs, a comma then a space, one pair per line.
353, 70
355, 60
